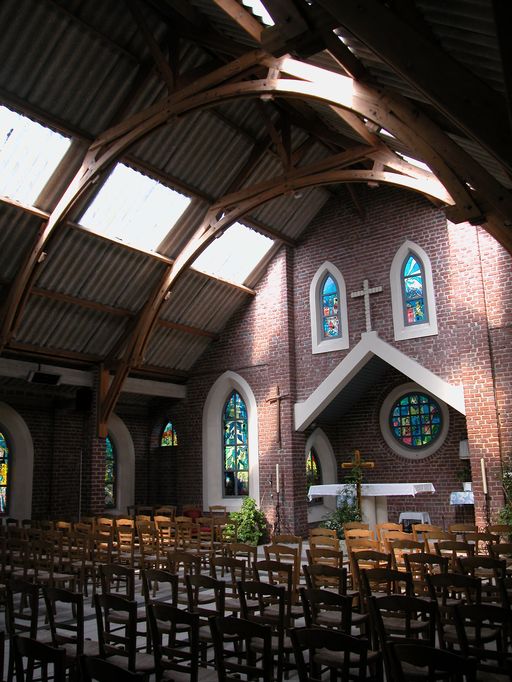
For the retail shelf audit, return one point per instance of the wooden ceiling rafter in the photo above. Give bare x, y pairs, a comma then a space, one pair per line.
502, 10
242, 17
462, 97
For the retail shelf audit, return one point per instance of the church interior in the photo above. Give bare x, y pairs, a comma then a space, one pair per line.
250, 250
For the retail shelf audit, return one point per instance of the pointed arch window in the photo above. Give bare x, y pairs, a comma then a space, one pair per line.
412, 293
110, 474
328, 309
169, 437
235, 447
4, 473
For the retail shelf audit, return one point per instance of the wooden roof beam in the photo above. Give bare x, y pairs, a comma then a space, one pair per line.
463, 98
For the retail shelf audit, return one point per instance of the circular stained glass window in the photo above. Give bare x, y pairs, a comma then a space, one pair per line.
416, 420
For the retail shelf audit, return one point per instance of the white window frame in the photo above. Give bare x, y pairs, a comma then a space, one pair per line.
385, 426
125, 464
401, 329
319, 344
21, 462
213, 469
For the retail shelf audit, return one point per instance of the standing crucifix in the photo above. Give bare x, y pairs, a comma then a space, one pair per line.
365, 292
357, 463
277, 400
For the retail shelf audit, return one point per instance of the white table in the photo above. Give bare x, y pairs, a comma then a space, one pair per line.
374, 503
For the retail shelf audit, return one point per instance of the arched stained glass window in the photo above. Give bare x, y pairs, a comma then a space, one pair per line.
413, 289
235, 448
313, 474
169, 437
330, 308
4, 473
416, 420
110, 474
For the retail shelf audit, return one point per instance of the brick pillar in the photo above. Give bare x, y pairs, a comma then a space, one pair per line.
93, 459
476, 368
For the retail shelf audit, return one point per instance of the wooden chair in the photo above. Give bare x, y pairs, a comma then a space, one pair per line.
350, 525
399, 548
325, 555
181, 564
461, 529
492, 573
266, 604
359, 534
326, 532
323, 576
360, 559
206, 598
421, 564
174, 659
502, 550
419, 529
431, 537
481, 541
230, 571
382, 528
95, 668
242, 550
453, 550
233, 663
65, 614
159, 585
404, 618
323, 608
168, 510
344, 656
418, 661
449, 590
38, 653
280, 574
120, 645
320, 541
287, 554
503, 530
21, 616
484, 632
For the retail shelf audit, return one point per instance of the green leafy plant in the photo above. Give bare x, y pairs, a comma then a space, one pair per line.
345, 512
505, 513
249, 524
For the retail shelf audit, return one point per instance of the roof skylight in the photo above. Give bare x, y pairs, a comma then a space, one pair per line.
29, 154
260, 10
235, 254
134, 209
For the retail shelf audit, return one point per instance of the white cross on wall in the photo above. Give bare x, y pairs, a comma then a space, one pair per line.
366, 291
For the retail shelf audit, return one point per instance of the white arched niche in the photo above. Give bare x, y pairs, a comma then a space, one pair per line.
125, 465
213, 440
21, 462
323, 448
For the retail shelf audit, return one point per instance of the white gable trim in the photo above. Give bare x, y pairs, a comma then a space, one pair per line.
369, 346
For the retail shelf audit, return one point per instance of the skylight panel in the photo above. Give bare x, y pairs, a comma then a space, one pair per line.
29, 154
134, 209
235, 254
260, 10
415, 162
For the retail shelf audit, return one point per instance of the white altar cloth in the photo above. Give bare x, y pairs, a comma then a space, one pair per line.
373, 489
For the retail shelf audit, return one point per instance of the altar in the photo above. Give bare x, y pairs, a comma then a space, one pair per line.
374, 503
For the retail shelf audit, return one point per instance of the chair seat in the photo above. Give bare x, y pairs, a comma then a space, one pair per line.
91, 648
398, 625
121, 618
335, 659
144, 663
486, 634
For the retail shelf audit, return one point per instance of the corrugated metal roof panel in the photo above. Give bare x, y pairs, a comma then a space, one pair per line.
174, 349
90, 267
18, 229
56, 325
47, 58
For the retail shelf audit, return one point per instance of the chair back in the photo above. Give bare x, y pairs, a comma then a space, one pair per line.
323, 608
50, 660
160, 585
325, 555
430, 663
323, 576
235, 663
103, 670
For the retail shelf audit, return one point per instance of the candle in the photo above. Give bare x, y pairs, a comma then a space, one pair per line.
277, 478
484, 477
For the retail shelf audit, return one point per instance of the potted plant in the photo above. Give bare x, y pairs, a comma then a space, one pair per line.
249, 524
464, 474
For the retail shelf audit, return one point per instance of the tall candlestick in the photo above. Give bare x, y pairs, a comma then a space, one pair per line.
484, 477
277, 478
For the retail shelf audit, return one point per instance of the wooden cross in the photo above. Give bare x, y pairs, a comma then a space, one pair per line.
277, 400
365, 292
358, 463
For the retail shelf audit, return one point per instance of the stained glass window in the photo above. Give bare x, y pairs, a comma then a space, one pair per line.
169, 437
330, 308
416, 420
110, 473
4, 471
413, 288
235, 449
313, 473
